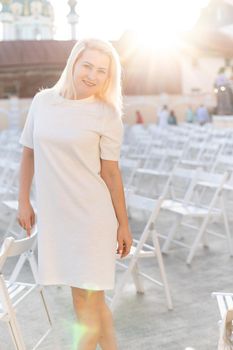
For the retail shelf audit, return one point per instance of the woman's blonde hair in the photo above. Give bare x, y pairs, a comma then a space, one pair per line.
112, 90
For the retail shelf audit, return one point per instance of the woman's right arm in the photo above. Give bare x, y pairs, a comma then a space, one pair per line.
26, 215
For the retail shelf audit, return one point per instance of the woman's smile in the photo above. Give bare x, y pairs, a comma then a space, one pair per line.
88, 83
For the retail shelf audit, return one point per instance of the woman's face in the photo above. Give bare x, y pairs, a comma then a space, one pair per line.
91, 72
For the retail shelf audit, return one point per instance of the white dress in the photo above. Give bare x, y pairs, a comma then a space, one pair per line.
77, 224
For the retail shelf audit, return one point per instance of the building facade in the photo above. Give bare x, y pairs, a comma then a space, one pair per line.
27, 20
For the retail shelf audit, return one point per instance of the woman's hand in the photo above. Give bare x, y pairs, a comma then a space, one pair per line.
124, 240
26, 216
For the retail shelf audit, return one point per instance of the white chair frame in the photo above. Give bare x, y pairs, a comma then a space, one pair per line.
12, 292
187, 209
141, 250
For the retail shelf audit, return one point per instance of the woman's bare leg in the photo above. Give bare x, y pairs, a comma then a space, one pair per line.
95, 320
107, 339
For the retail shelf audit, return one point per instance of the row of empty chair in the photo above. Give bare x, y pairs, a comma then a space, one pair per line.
192, 169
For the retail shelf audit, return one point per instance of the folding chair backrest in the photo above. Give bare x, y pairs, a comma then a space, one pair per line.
128, 168
181, 179
128, 163
157, 143
194, 149
12, 247
214, 178
176, 153
139, 202
21, 246
223, 162
145, 204
183, 173
214, 181
155, 157
172, 157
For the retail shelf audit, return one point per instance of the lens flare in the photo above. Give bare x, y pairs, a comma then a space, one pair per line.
78, 333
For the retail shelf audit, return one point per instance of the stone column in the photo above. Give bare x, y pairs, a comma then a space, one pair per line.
73, 19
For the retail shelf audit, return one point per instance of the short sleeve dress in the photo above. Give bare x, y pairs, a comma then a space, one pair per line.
77, 224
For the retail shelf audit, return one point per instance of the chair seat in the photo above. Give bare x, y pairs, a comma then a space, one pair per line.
195, 163
186, 210
227, 186
142, 254
13, 204
138, 156
152, 172
207, 184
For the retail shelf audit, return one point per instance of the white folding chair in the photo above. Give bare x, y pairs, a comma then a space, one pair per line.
205, 157
12, 292
148, 182
190, 208
141, 250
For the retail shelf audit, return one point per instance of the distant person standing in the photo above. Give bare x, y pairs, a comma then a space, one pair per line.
163, 116
221, 79
172, 120
223, 89
139, 117
202, 115
231, 79
189, 115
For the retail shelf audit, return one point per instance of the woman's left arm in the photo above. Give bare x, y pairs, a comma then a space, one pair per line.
111, 175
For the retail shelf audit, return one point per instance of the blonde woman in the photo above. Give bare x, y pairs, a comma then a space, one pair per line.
71, 141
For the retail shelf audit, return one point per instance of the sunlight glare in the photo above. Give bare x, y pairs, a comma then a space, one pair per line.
158, 24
